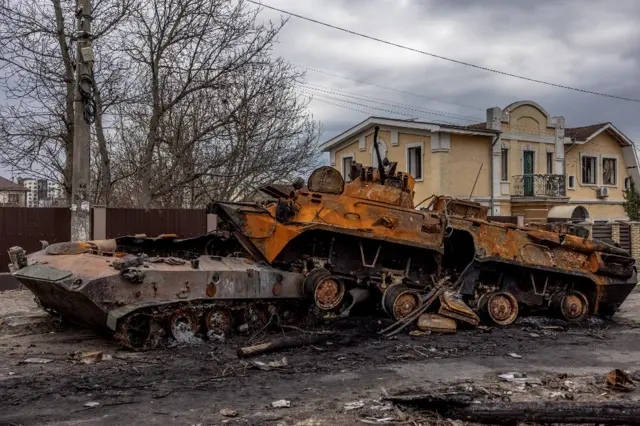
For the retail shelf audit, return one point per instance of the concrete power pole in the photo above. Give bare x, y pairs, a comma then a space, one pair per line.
84, 116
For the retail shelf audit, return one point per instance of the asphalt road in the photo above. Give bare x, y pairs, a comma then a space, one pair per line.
191, 383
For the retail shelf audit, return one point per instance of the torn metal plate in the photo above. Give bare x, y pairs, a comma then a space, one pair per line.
436, 323
42, 272
453, 307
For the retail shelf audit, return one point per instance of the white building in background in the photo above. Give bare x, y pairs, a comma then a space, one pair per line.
32, 188
43, 192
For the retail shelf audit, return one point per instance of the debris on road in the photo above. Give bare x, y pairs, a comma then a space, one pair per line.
270, 365
477, 407
283, 343
436, 323
281, 403
620, 381
92, 357
36, 361
514, 355
227, 412
520, 378
355, 405
92, 404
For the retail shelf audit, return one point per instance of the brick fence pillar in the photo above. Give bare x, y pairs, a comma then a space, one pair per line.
634, 228
615, 232
212, 222
99, 223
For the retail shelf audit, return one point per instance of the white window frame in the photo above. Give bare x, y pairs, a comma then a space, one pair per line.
507, 180
597, 171
372, 151
406, 158
351, 155
610, 157
569, 186
627, 183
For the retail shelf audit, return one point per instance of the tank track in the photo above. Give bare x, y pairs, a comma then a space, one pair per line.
159, 326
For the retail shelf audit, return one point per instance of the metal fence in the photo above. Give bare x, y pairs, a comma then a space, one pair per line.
625, 236
26, 227
153, 222
601, 231
539, 186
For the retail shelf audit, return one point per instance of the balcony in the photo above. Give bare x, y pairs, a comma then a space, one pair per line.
545, 186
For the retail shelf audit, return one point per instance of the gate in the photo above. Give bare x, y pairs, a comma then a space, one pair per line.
601, 231
26, 227
625, 236
153, 222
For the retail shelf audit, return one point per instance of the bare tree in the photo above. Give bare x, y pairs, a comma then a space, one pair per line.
204, 73
189, 102
37, 51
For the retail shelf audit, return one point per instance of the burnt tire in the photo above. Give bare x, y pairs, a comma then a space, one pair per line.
398, 301
572, 305
183, 321
324, 290
500, 307
135, 331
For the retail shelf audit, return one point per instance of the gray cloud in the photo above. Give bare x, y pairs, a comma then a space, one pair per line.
591, 46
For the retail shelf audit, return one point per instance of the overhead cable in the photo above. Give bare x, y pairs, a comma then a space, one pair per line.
456, 61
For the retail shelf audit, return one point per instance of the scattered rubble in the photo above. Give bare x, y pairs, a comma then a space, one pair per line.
283, 343
227, 412
267, 366
620, 381
36, 361
92, 357
355, 405
281, 403
473, 405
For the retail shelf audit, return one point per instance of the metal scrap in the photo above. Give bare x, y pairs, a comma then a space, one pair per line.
36, 361
453, 307
436, 323
620, 381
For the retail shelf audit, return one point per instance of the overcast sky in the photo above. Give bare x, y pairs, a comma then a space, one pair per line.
592, 45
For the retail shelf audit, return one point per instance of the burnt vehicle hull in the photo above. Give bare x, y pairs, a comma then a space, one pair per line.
208, 294
329, 247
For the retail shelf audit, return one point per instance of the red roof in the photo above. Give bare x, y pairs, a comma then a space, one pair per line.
7, 185
482, 125
582, 133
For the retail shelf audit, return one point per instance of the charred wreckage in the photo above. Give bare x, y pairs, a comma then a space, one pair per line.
323, 250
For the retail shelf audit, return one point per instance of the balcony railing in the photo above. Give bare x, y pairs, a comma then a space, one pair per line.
539, 186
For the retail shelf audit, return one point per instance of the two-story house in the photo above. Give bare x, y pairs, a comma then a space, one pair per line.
521, 161
12, 194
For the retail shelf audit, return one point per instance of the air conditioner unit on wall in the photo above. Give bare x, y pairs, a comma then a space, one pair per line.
603, 192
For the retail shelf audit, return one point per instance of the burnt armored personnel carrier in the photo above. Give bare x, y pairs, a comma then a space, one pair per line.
326, 247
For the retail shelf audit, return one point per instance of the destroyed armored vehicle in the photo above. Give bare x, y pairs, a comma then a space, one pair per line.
328, 247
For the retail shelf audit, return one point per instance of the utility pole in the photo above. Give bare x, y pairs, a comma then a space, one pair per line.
84, 115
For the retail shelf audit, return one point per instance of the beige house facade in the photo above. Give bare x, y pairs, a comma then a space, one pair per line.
519, 162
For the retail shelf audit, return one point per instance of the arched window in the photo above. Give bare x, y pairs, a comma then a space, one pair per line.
383, 153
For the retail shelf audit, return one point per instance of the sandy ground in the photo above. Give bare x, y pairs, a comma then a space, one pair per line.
191, 383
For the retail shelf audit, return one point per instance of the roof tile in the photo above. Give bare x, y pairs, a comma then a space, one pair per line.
7, 185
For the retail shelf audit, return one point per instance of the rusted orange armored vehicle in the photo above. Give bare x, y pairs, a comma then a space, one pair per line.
368, 234
330, 245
